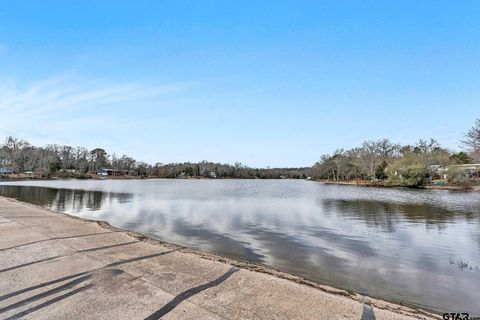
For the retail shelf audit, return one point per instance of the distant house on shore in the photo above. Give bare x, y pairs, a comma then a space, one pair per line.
69, 170
109, 172
5, 170
439, 171
469, 167
438, 168
471, 170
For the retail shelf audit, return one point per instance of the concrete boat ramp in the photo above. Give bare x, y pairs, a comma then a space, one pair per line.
54, 266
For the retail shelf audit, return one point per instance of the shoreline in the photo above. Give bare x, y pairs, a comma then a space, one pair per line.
134, 178
426, 187
346, 183
378, 304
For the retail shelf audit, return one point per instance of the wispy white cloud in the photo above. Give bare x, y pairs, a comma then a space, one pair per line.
62, 93
51, 107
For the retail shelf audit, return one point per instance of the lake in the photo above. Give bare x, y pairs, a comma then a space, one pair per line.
417, 247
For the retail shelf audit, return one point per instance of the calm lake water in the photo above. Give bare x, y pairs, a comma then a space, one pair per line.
402, 245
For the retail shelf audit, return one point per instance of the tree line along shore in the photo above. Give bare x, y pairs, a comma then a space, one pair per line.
385, 163
378, 163
21, 160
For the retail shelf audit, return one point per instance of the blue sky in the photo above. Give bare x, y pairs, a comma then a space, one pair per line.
266, 83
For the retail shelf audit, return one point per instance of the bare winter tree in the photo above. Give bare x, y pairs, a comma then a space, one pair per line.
387, 149
370, 156
66, 154
81, 159
471, 141
14, 152
426, 146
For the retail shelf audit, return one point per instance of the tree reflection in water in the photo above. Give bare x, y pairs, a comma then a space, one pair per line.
63, 200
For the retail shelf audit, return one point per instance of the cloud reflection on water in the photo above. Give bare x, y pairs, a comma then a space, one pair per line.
383, 242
